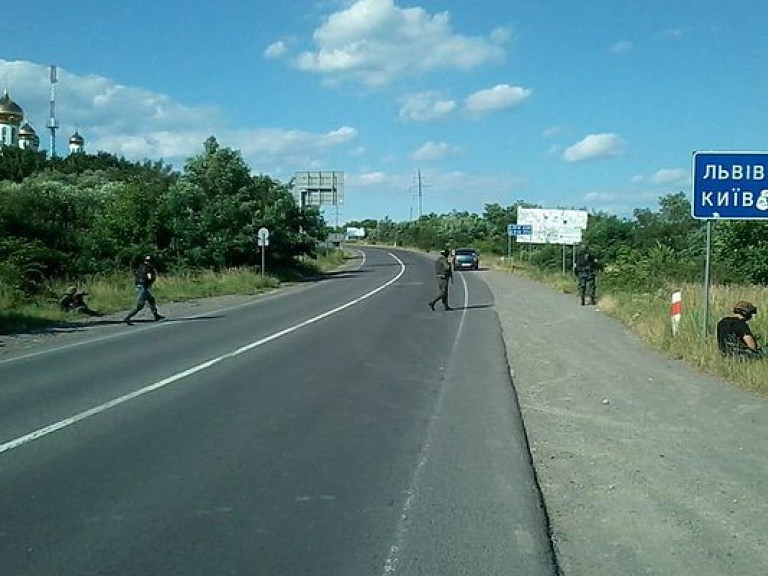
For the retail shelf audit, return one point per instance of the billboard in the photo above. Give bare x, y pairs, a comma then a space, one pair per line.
552, 226
318, 188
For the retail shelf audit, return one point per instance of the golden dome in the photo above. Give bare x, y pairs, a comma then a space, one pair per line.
9, 110
26, 130
76, 138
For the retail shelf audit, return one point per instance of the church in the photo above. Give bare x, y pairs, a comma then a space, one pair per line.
15, 131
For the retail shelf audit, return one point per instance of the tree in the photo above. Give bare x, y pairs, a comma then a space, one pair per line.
18, 163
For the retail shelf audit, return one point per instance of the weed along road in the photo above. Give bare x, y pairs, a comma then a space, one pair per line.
336, 428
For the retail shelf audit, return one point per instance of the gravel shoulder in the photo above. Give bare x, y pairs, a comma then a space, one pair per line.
646, 466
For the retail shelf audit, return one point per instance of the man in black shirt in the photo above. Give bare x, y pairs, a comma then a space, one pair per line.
734, 337
145, 275
585, 270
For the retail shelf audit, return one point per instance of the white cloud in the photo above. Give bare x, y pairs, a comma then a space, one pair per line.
622, 47
425, 106
593, 147
670, 176
368, 179
375, 42
275, 50
433, 151
496, 98
664, 176
598, 197
139, 124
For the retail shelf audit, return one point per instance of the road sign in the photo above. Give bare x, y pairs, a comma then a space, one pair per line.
515, 230
318, 188
263, 234
730, 185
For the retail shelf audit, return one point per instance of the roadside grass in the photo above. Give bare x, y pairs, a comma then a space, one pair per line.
108, 294
648, 315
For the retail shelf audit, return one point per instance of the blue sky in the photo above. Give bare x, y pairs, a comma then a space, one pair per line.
594, 104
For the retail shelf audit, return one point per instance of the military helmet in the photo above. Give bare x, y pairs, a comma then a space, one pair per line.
744, 308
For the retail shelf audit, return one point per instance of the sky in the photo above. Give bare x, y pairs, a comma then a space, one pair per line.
576, 104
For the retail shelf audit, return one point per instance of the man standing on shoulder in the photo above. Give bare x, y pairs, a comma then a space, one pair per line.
145, 276
585, 270
734, 337
444, 273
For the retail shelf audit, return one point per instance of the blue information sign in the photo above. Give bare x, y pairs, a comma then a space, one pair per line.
730, 185
521, 230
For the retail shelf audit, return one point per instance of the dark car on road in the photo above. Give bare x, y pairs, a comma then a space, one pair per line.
466, 259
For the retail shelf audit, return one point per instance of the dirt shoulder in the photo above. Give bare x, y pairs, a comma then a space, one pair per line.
646, 466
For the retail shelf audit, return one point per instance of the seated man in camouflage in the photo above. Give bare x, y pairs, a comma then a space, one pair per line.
74, 301
734, 337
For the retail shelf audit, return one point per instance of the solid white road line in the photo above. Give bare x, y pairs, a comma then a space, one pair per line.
50, 429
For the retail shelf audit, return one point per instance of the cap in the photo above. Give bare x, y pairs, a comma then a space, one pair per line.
745, 308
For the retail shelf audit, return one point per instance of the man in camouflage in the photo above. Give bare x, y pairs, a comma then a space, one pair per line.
444, 273
585, 270
145, 275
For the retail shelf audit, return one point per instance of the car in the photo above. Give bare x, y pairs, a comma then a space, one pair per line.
466, 259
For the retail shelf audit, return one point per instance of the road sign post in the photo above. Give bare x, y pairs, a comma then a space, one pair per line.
516, 230
730, 185
263, 242
727, 186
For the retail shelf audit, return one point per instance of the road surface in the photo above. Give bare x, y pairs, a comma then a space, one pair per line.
338, 428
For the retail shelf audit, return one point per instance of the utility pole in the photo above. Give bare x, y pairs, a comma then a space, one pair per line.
420, 195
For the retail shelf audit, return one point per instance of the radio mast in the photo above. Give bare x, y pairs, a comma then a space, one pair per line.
53, 124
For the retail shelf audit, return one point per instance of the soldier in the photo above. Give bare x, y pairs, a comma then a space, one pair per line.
145, 275
585, 270
734, 337
444, 273
74, 301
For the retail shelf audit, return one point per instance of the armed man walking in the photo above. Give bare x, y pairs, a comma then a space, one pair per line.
444, 273
145, 276
585, 270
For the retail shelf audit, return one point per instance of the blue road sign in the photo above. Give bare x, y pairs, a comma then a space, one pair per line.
521, 230
730, 185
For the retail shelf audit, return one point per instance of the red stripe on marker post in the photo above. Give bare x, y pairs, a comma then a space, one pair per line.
676, 309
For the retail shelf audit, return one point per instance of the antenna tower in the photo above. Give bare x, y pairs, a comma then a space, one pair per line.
53, 124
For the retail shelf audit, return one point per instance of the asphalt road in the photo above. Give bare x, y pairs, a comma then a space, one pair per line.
337, 428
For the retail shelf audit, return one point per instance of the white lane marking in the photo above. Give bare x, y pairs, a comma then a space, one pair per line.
67, 347
403, 524
50, 429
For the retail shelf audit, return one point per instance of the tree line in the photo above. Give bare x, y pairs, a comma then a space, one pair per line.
653, 248
66, 218
85, 214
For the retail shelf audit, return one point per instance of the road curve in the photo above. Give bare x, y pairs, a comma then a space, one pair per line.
338, 428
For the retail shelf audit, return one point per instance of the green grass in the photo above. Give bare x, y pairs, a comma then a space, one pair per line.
648, 316
115, 293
